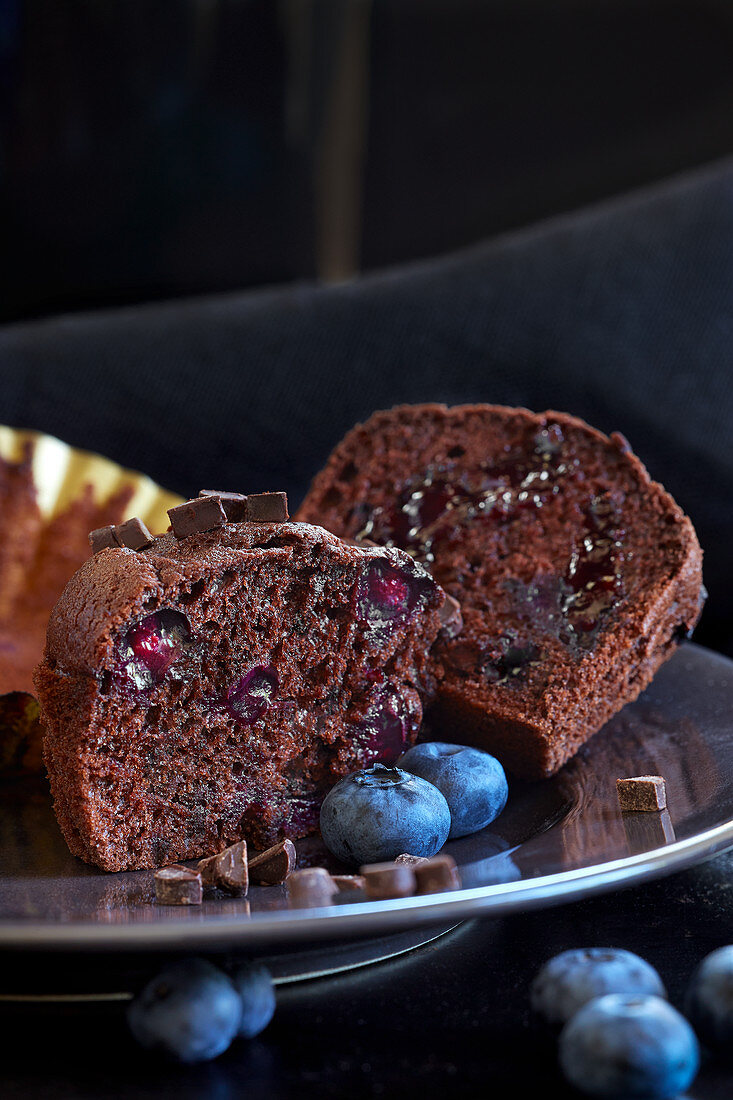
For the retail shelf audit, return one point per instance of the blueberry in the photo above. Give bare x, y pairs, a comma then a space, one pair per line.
571, 979
253, 983
380, 812
709, 999
151, 646
629, 1046
473, 783
191, 1012
387, 726
248, 700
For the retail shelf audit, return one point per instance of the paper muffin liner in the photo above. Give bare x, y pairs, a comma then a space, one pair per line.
51, 496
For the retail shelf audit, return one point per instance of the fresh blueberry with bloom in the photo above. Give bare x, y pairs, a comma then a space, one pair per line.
571, 979
629, 1046
473, 782
191, 1012
376, 814
253, 983
709, 1000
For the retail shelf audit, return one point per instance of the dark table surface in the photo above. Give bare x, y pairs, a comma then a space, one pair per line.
448, 1019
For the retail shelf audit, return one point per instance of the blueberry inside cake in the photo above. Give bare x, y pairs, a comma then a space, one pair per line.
577, 575
214, 684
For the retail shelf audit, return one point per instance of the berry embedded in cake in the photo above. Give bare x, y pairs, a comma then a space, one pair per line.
576, 574
216, 686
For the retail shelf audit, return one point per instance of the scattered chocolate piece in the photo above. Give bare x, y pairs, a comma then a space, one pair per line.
102, 538
272, 867
177, 885
234, 504
228, 869
436, 874
411, 860
450, 617
310, 888
199, 514
388, 880
349, 883
133, 534
267, 508
642, 792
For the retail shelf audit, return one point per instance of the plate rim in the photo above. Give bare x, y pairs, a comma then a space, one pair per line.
374, 917
274, 928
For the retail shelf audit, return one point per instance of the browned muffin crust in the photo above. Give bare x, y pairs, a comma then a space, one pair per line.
214, 687
577, 574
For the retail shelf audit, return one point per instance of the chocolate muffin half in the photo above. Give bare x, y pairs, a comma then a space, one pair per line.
214, 687
577, 575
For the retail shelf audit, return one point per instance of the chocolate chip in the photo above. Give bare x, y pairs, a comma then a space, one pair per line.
267, 508
177, 885
133, 534
311, 888
272, 867
228, 869
642, 792
436, 874
103, 537
199, 514
388, 880
349, 883
234, 504
451, 620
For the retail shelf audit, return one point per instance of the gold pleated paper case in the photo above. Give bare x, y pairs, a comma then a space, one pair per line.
51, 496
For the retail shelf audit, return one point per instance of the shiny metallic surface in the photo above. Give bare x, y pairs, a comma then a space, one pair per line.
557, 840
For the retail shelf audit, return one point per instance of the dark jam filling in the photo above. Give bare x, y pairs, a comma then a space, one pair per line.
594, 577
507, 660
426, 507
385, 596
151, 647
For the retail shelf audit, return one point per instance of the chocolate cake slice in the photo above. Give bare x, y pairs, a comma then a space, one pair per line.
577, 575
215, 686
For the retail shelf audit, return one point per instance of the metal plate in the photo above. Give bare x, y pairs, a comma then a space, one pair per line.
557, 840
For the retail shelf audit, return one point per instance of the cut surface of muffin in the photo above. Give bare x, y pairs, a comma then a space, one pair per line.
216, 686
577, 574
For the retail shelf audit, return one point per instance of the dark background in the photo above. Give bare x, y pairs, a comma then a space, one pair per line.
151, 150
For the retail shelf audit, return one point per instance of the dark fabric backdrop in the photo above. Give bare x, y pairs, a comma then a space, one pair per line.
622, 314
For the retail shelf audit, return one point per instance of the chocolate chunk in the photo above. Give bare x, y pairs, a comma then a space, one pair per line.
349, 883
234, 504
228, 869
311, 888
436, 874
267, 508
450, 617
177, 885
199, 514
388, 880
134, 534
103, 537
642, 792
411, 860
271, 867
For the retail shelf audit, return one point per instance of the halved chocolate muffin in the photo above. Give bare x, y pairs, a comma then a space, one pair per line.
215, 686
577, 574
